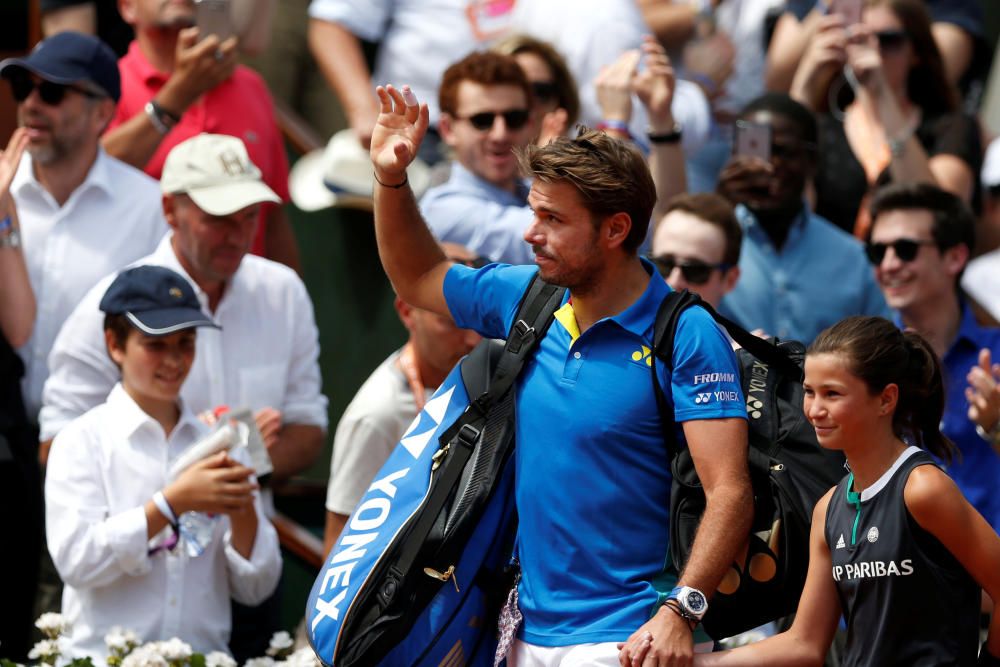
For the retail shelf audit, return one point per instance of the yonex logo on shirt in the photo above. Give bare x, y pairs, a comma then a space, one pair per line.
753, 408
642, 355
703, 398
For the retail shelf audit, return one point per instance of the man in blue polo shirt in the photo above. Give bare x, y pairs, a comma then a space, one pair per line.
920, 242
593, 481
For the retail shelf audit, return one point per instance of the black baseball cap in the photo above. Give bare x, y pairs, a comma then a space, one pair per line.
156, 300
71, 57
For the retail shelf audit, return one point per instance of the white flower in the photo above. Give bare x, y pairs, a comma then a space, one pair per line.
219, 659
259, 662
121, 641
304, 657
174, 650
45, 649
52, 624
280, 643
145, 656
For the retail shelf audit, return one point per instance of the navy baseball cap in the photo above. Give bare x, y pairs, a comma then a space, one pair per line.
156, 300
71, 57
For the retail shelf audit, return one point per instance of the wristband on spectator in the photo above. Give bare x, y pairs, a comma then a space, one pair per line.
672, 137
614, 126
162, 120
6, 225
164, 507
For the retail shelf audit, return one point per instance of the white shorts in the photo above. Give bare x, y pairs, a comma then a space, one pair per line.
604, 654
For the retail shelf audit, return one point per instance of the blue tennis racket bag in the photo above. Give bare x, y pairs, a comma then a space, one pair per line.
420, 571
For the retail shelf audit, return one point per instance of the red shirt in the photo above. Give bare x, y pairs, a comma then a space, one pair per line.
240, 106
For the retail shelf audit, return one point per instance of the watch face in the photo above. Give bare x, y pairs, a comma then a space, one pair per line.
696, 602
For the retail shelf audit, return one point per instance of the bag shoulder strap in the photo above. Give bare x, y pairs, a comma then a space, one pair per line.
534, 315
664, 330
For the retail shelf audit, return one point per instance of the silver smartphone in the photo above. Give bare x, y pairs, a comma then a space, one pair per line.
752, 140
214, 17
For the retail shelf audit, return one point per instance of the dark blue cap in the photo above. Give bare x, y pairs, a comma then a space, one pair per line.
156, 300
71, 57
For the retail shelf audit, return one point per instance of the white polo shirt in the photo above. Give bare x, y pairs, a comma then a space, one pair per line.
102, 470
112, 219
265, 355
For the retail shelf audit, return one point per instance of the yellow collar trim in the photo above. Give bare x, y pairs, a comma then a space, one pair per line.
566, 317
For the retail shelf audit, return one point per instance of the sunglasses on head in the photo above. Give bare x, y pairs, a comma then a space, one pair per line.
514, 119
544, 91
891, 39
51, 93
694, 271
906, 250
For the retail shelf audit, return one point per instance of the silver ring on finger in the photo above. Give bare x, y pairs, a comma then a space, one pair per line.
219, 55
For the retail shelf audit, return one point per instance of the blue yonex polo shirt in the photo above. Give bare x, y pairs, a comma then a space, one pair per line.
593, 478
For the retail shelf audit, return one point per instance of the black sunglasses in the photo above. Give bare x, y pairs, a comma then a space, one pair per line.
906, 250
51, 93
694, 271
514, 119
544, 91
890, 40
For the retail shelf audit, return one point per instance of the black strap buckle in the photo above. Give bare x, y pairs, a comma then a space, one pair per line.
468, 435
521, 333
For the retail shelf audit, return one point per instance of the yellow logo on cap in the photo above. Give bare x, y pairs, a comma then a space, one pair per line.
176, 292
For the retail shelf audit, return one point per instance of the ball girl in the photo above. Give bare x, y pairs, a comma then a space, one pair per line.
895, 548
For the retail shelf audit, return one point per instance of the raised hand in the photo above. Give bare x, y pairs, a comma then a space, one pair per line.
614, 86
200, 66
399, 130
655, 85
983, 392
10, 158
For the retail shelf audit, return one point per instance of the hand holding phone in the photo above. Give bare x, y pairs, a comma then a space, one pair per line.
752, 140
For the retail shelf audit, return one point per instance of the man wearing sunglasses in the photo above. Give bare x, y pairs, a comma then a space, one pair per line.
696, 245
920, 242
485, 102
83, 213
799, 273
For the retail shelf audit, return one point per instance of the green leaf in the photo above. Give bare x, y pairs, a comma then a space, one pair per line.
197, 660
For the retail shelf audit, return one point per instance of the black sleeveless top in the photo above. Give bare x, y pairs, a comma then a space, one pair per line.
907, 601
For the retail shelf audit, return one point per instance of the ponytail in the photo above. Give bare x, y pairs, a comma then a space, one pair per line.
921, 399
880, 354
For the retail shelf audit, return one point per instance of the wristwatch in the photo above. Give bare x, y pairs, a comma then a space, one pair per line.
992, 436
692, 602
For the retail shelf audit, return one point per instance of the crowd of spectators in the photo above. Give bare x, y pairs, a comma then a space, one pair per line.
810, 163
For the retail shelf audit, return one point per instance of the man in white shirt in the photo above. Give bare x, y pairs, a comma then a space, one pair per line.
418, 40
83, 213
390, 398
265, 357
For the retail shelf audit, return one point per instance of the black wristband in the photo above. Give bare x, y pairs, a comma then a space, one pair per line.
671, 137
674, 606
406, 179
